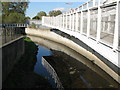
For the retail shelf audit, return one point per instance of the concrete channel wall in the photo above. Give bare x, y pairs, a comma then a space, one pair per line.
53, 73
47, 34
11, 52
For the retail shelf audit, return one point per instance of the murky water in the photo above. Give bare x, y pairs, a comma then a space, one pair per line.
39, 68
81, 72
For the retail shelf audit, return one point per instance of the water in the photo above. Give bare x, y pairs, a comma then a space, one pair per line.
39, 68
26, 71
81, 71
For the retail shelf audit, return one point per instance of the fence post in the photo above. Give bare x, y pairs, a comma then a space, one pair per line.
70, 22
77, 20
43, 17
55, 21
66, 20
52, 21
81, 27
73, 24
88, 22
63, 21
60, 20
99, 23
117, 27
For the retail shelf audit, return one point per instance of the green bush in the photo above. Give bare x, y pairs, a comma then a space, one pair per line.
33, 25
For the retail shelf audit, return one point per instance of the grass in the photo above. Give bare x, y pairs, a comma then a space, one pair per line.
27, 39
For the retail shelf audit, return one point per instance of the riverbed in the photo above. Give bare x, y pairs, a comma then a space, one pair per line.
73, 69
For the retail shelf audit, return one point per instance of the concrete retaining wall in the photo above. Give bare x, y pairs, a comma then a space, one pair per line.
53, 73
11, 52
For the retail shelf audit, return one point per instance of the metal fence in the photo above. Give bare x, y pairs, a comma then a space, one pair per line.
9, 32
97, 19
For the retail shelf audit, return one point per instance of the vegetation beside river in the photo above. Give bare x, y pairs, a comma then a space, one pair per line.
22, 74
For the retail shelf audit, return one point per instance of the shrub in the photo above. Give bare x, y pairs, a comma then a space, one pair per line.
33, 25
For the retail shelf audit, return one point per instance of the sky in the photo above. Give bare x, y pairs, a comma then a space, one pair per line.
37, 6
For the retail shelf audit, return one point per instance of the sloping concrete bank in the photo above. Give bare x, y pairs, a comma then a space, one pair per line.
47, 34
74, 56
88, 48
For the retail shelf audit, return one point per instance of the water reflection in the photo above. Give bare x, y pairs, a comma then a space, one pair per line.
80, 58
39, 68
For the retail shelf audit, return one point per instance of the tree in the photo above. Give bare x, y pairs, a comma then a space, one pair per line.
55, 13
36, 17
27, 18
40, 14
14, 18
17, 9
58, 12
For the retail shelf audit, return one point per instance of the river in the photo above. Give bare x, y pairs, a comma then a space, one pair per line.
73, 69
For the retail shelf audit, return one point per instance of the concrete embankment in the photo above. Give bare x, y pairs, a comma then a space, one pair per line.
53, 73
11, 52
47, 34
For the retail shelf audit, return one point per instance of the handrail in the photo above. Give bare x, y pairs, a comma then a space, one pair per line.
81, 20
13, 25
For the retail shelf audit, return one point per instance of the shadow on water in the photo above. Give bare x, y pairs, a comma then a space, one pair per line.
73, 69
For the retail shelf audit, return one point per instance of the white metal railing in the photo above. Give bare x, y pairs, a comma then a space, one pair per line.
97, 19
13, 25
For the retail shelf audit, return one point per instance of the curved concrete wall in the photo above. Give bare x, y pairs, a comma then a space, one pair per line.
80, 58
59, 39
